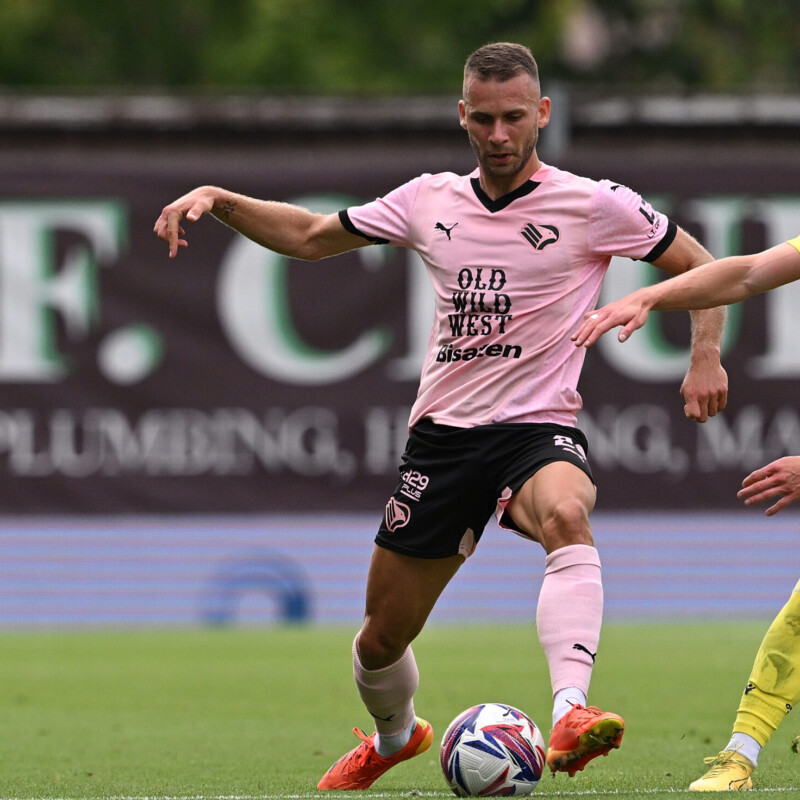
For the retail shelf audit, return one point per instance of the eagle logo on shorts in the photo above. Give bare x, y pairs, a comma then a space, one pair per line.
397, 514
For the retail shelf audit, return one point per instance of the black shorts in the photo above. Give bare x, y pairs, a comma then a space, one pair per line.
453, 479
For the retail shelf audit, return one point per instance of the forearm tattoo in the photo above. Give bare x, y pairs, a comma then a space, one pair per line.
227, 208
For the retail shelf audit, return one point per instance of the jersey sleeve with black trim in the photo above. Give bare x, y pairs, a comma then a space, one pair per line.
622, 223
387, 219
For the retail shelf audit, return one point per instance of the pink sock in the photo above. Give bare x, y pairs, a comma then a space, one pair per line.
569, 615
388, 693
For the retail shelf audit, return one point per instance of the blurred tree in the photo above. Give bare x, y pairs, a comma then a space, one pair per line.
394, 46
715, 45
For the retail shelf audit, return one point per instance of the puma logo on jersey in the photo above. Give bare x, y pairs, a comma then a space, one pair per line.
540, 236
440, 226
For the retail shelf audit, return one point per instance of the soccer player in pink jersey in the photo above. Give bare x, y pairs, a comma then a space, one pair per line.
773, 688
516, 252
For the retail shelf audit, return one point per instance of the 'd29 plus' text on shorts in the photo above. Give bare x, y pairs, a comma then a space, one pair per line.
453, 479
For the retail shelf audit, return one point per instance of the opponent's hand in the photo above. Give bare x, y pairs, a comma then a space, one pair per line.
780, 478
191, 206
630, 311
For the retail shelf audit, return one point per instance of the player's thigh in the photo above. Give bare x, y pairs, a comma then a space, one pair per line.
401, 593
554, 504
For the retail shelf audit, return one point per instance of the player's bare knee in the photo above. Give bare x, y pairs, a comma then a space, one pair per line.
567, 523
377, 649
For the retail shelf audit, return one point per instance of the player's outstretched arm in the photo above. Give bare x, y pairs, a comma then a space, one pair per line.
781, 479
287, 229
722, 282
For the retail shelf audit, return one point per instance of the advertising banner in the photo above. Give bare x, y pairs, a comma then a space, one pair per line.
234, 380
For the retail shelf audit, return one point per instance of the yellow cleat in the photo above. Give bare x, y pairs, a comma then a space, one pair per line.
729, 772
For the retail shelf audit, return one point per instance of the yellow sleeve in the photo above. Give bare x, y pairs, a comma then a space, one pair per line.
795, 242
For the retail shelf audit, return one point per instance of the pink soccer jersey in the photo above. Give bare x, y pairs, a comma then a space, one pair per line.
512, 278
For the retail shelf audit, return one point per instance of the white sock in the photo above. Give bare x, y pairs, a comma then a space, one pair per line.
745, 746
389, 745
565, 699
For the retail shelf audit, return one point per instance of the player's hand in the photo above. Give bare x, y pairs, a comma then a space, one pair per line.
630, 311
704, 389
191, 206
781, 479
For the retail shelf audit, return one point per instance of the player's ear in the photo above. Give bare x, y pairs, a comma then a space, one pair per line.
544, 111
462, 114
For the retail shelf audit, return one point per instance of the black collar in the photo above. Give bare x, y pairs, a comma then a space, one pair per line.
506, 199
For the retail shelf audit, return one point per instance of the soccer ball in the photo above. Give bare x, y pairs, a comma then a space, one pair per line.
492, 750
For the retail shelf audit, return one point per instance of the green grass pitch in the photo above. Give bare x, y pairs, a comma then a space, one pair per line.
261, 713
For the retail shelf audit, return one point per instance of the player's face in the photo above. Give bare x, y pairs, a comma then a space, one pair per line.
502, 120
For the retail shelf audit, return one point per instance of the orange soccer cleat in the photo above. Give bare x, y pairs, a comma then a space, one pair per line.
362, 766
581, 735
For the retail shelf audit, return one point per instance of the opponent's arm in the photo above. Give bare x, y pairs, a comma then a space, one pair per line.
287, 229
722, 282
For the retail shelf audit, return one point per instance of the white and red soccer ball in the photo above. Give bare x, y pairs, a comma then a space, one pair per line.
492, 750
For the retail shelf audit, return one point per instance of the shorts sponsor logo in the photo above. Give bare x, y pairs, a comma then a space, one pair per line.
414, 484
566, 443
397, 514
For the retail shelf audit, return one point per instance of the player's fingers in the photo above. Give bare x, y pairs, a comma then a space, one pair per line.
693, 410
197, 211
593, 327
161, 226
756, 476
626, 331
782, 503
582, 335
745, 496
786, 500
749, 493
763, 489
173, 231
748, 482
591, 337
632, 325
583, 332
760, 497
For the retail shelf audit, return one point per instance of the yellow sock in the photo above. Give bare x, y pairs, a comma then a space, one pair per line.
774, 685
